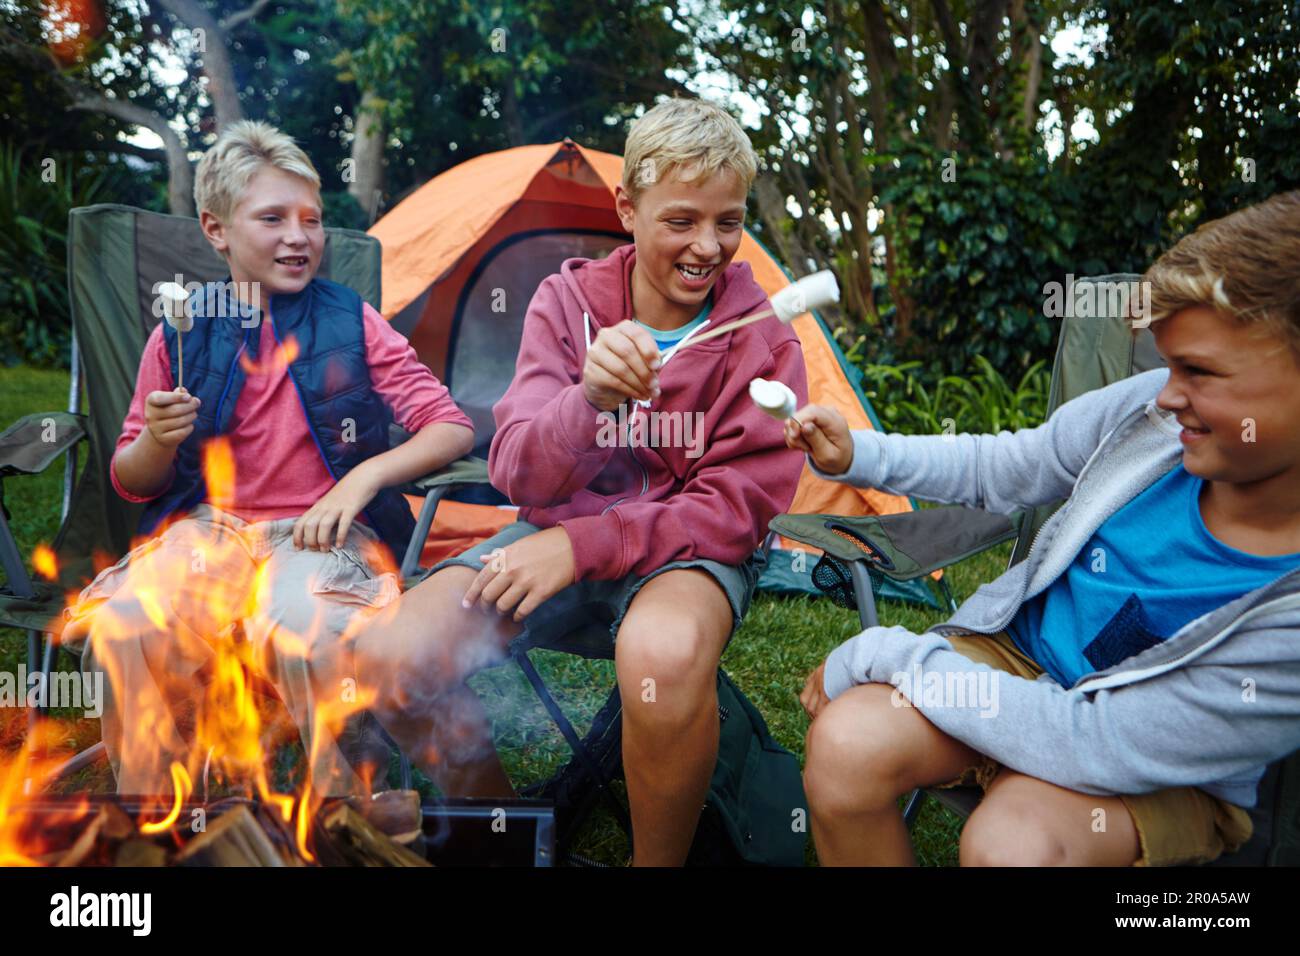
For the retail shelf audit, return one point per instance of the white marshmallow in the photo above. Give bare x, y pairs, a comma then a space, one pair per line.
775, 398
803, 295
175, 299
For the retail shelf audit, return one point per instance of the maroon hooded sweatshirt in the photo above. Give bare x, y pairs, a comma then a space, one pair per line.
628, 506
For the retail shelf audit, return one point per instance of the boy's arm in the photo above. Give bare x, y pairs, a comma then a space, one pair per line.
545, 449
421, 405
1000, 473
745, 477
440, 431
426, 451
1187, 727
141, 467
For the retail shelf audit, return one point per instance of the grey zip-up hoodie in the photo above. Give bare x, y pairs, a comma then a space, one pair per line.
1209, 707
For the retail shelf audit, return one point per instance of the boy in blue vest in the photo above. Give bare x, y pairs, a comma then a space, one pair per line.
267, 479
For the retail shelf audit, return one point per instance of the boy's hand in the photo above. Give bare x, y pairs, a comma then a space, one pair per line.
169, 416
326, 523
520, 577
813, 697
824, 435
622, 363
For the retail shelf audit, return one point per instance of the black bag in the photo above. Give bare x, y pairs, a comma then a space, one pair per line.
756, 811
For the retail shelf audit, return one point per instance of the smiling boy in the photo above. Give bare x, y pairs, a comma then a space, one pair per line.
1148, 647
653, 544
298, 378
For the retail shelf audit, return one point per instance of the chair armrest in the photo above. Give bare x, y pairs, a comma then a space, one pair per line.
463, 471
29, 445
906, 545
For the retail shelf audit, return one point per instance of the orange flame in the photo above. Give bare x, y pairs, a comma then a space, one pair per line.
284, 355
21, 777
205, 720
182, 787
219, 471
45, 562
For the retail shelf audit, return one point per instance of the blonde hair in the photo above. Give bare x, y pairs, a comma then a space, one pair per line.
241, 150
691, 139
1245, 265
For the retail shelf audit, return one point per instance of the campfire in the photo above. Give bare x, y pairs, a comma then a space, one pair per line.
230, 735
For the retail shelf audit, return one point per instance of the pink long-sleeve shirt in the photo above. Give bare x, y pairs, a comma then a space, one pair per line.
278, 471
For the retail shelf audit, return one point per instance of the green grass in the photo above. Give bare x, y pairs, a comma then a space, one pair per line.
780, 642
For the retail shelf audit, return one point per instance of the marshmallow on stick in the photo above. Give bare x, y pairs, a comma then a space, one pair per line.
775, 398
174, 299
803, 295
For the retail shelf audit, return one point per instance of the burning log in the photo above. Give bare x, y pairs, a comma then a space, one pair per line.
110, 824
395, 813
235, 839
351, 840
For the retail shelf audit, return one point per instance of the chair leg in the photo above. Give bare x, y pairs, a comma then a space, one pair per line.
571, 737
913, 808
414, 547
863, 594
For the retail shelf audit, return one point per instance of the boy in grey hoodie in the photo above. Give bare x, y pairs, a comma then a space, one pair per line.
1119, 693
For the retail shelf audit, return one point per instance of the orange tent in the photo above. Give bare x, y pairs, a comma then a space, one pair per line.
463, 253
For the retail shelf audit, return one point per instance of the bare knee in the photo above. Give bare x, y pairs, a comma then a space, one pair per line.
425, 644
670, 668
853, 756
1011, 834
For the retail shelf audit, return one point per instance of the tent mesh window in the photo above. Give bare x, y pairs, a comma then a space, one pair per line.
489, 324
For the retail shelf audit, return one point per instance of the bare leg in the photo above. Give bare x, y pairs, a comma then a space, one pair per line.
666, 657
863, 753
416, 654
1024, 821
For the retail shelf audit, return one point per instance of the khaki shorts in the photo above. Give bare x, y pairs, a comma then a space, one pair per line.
1178, 826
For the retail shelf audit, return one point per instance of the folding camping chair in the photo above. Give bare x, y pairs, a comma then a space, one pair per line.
860, 552
115, 255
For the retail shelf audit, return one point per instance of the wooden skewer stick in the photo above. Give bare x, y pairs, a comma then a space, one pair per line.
728, 327
801, 296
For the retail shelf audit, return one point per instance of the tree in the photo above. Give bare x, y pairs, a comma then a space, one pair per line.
448, 80
102, 63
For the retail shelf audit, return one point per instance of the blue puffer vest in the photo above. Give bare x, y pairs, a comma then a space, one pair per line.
347, 420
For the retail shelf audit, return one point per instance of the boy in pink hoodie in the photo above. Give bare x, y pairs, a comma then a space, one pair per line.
645, 479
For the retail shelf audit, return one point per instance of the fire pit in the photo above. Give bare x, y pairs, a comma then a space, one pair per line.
392, 828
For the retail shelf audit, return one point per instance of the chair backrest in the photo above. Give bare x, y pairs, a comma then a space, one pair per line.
116, 256
1097, 347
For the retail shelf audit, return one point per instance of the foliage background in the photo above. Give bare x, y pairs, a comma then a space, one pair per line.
1086, 156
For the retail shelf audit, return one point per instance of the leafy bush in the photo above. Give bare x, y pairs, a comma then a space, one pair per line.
983, 401
977, 237
35, 324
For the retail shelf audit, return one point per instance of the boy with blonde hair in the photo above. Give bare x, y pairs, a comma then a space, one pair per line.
1146, 653
291, 381
655, 541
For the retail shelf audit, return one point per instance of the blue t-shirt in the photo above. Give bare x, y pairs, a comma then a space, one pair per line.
1148, 570
667, 339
